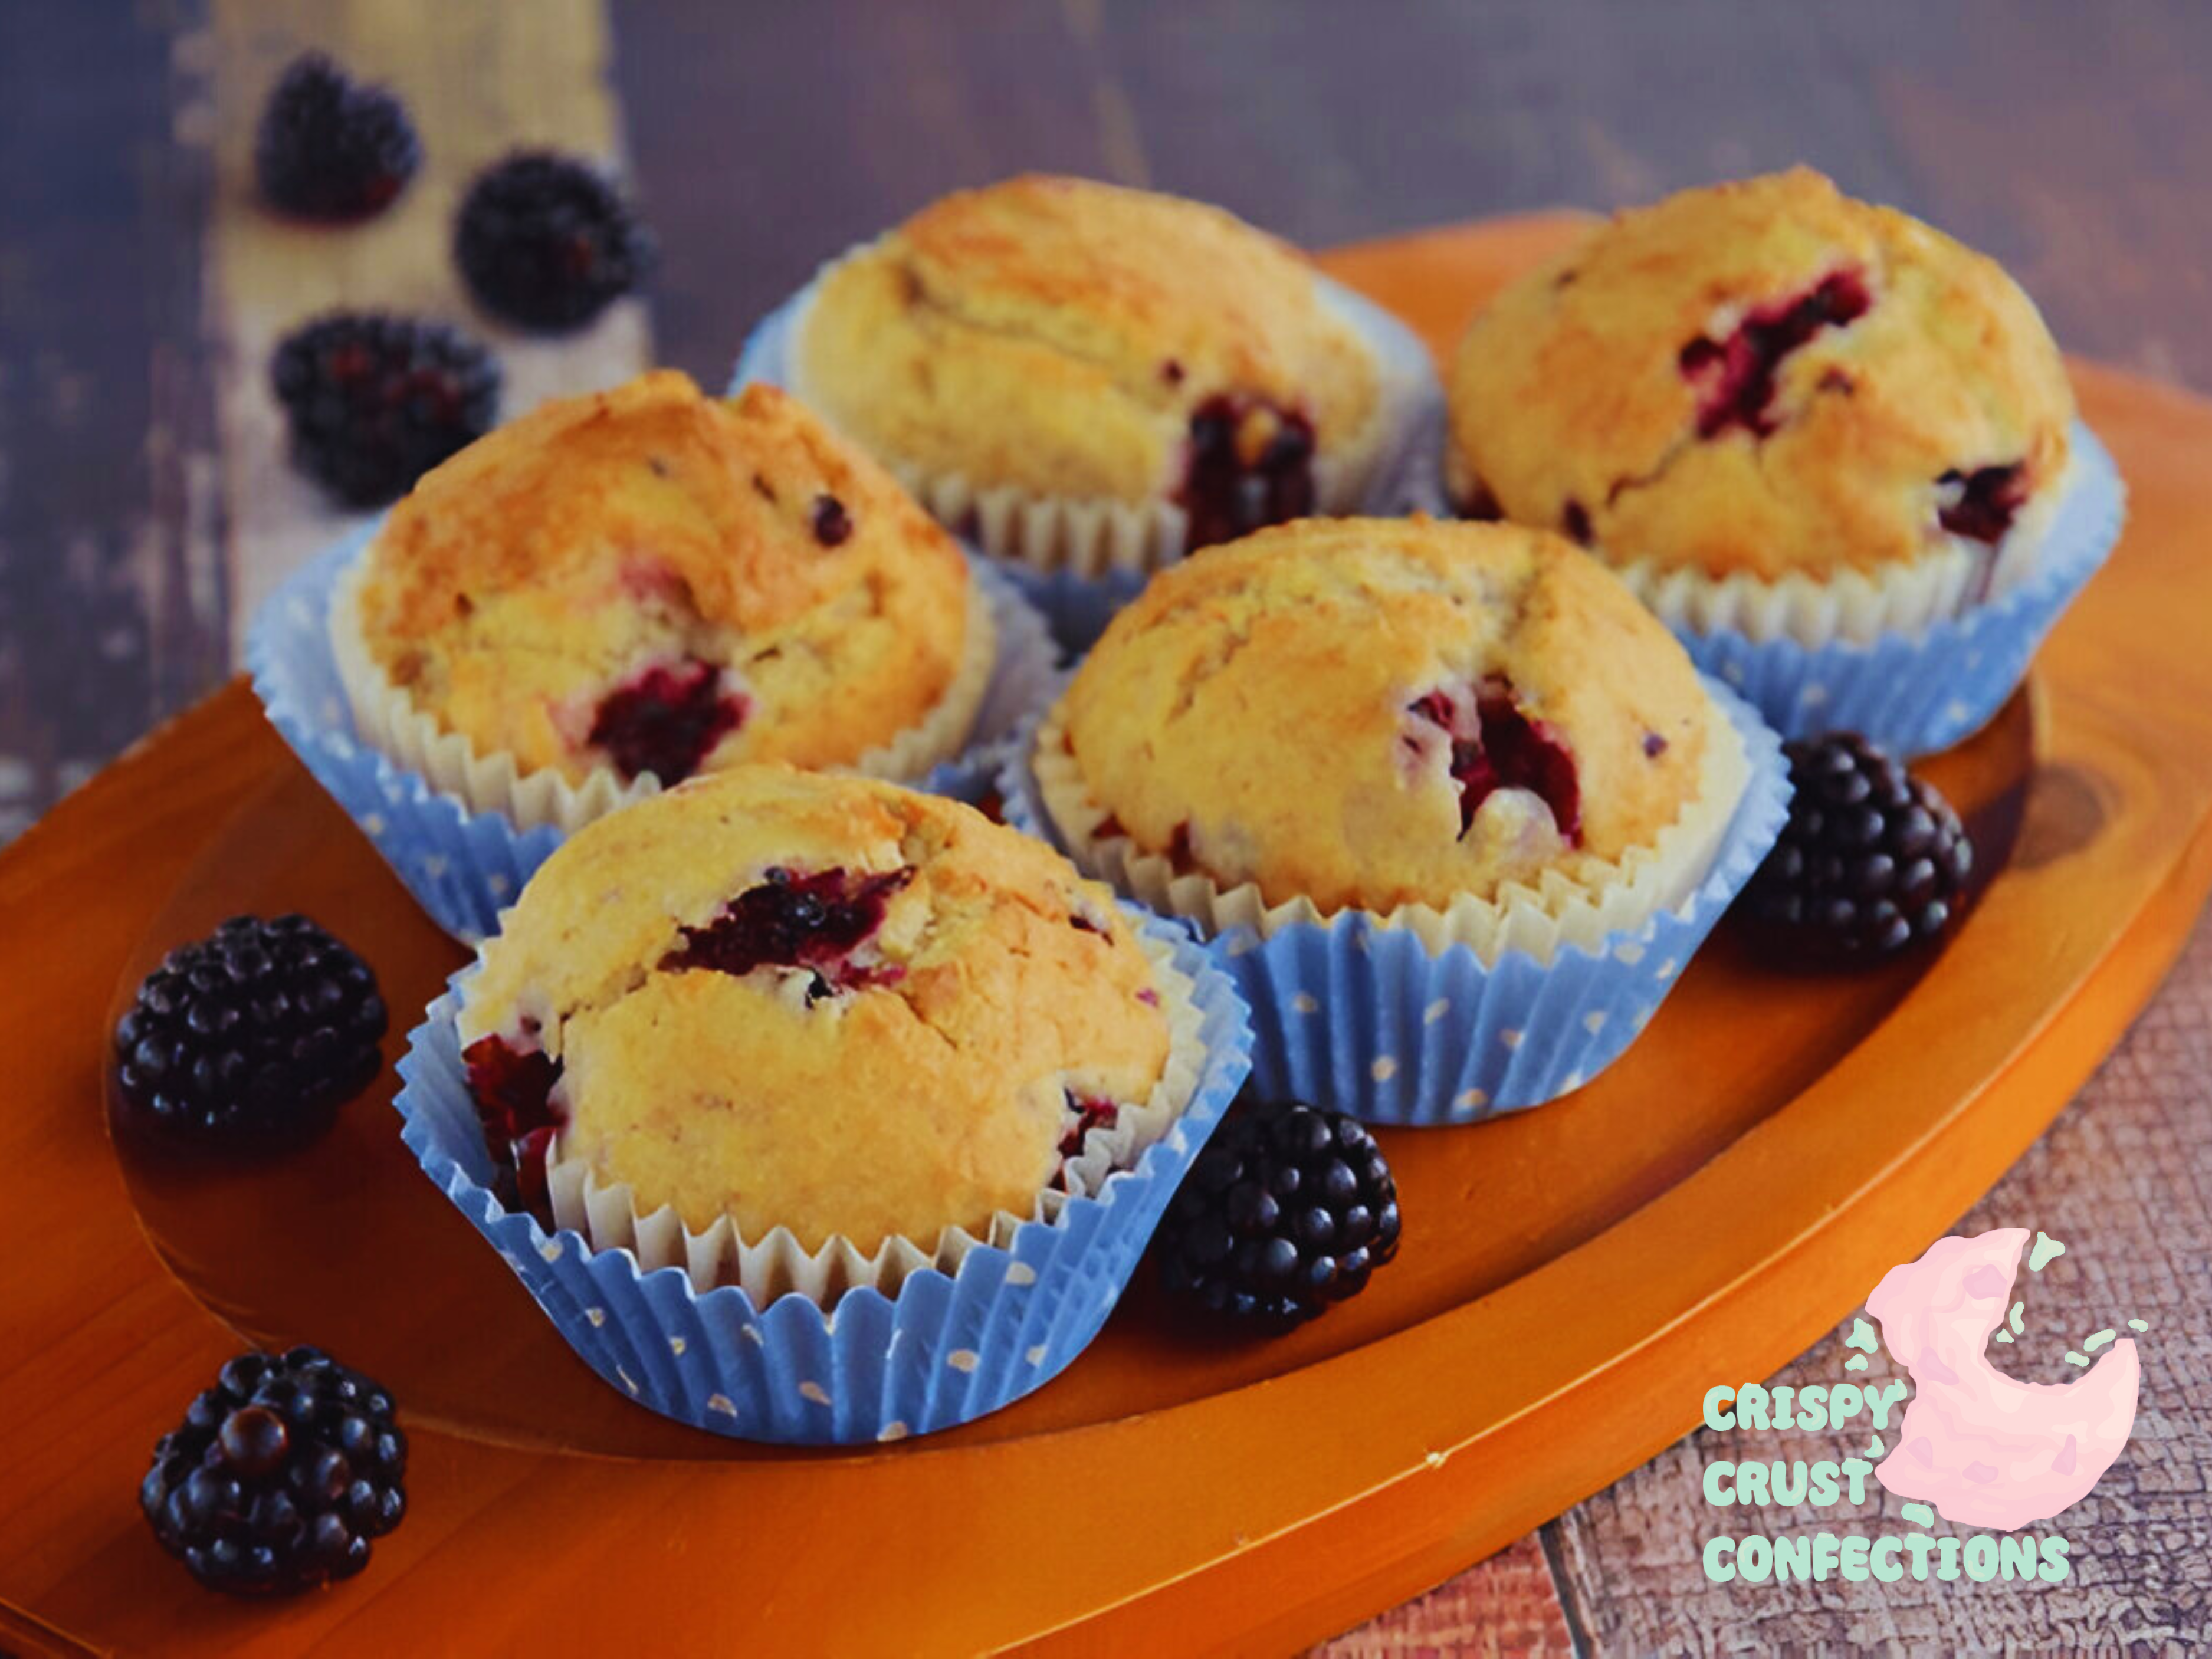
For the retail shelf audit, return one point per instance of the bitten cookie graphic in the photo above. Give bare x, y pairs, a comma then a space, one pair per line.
1986, 1449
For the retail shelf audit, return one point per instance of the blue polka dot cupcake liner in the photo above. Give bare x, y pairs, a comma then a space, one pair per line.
1915, 693
1079, 594
464, 865
1370, 1019
943, 1349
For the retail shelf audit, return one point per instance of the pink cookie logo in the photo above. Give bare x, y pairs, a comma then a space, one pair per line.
1983, 1448
1974, 1446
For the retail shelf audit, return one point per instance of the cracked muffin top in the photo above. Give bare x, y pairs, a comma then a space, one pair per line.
822, 1003
1081, 340
1762, 377
654, 581
1369, 712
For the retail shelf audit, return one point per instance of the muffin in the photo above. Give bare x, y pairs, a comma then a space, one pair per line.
1449, 807
617, 591
779, 1005
1774, 409
1081, 374
1396, 715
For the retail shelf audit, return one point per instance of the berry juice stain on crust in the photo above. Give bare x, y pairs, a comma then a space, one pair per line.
1735, 377
1251, 464
1981, 505
1506, 749
791, 920
513, 1088
666, 720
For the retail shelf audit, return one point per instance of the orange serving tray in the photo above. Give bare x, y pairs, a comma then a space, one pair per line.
1572, 1278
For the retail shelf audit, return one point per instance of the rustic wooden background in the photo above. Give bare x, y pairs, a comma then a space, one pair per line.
144, 504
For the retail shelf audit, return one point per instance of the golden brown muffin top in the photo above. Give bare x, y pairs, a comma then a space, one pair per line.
1761, 378
1059, 336
821, 1003
1373, 712
551, 590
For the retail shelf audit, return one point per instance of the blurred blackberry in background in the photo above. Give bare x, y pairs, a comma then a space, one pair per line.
375, 401
547, 242
330, 149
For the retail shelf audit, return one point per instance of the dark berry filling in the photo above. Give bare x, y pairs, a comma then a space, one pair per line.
1477, 502
666, 720
1575, 519
513, 1089
791, 920
1981, 505
1653, 745
1091, 1113
832, 523
1251, 464
1180, 853
1505, 749
1735, 377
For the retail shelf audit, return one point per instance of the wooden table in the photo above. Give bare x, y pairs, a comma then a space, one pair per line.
143, 502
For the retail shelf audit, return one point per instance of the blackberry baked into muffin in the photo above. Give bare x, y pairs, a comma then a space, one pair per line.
1473, 729
1773, 409
776, 1000
617, 591
1084, 374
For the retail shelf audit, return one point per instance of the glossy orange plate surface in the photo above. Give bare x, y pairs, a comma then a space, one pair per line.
1571, 1278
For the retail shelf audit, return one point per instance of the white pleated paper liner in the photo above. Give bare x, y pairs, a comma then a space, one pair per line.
1366, 1019
463, 867
945, 1349
1079, 602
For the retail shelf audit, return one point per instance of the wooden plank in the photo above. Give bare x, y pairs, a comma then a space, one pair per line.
111, 610
480, 81
1506, 1605
2124, 1178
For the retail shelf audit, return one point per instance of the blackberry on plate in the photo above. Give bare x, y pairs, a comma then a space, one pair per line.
257, 1033
547, 242
328, 148
1288, 1209
374, 401
279, 1475
1871, 862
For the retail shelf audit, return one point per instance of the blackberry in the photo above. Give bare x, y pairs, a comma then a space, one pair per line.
548, 242
257, 1033
279, 1475
330, 149
374, 402
1871, 862
1287, 1210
